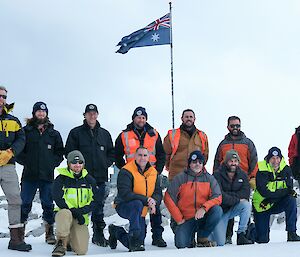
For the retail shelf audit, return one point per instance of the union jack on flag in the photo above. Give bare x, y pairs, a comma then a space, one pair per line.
156, 33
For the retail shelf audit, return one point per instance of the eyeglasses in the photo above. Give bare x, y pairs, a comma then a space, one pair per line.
235, 125
76, 161
3, 96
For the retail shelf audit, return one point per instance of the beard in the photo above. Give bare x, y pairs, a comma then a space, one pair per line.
40, 121
235, 132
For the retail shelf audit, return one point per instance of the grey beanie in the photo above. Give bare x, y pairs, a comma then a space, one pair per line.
75, 155
231, 154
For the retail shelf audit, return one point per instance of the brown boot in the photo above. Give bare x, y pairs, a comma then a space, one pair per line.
16, 241
60, 247
49, 234
204, 242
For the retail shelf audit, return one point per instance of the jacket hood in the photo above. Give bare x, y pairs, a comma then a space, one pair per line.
8, 108
66, 172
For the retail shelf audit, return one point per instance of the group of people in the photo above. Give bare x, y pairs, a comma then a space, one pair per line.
202, 205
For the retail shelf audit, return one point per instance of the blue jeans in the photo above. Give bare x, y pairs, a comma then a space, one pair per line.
131, 211
243, 210
185, 233
262, 219
28, 190
100, 196
156, 227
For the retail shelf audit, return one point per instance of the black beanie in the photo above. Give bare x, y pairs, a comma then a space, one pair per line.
39, 106
196, 155
274, 151
139, 111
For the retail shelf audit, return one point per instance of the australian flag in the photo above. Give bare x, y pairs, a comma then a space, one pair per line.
156, 33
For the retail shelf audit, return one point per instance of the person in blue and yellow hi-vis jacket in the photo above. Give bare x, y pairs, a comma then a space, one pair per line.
73, 193
274, 194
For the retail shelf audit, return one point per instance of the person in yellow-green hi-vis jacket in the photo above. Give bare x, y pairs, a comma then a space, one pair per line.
73, 193
274, 194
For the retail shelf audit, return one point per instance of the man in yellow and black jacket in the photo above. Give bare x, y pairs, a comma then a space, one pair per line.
274, 194
73, 193
138, 191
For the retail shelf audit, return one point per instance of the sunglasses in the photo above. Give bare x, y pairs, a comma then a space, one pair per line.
142, 155
76, 161
3, 96
235, 125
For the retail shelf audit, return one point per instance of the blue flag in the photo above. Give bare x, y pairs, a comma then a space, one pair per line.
156, 33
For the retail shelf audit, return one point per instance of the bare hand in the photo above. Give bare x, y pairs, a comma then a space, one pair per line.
181, 222
151, 202
200, 214
152, 209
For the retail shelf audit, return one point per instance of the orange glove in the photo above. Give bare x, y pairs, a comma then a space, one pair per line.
252, 183
5, 156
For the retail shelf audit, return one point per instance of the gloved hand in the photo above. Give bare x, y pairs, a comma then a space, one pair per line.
293, 193
252, 183
5, 156
264, 204
77, 214
164, 181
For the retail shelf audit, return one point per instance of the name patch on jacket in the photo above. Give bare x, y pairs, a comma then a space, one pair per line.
49, 147
240, 180
102, 148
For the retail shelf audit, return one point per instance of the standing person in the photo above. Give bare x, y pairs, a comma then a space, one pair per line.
138, 191
193, 198
294, 155
12, 141
73, 193
96, 145
140, 133
235, 190
274, 194
180, 142
237, 140
43, 152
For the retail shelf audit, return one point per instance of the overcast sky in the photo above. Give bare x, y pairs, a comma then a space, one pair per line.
233, 57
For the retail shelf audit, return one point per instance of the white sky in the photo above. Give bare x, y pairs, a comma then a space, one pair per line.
231, 57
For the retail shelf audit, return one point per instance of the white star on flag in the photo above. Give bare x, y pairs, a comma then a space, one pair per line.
155, 37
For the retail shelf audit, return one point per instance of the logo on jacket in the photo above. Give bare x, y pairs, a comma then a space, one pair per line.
241, 180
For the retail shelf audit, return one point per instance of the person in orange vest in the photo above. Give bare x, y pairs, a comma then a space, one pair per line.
237, 140
140, 133
180, 142
138, 192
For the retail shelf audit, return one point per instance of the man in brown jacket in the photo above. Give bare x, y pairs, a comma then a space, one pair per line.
180, 142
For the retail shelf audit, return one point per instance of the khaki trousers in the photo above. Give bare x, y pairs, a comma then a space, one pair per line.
67, 227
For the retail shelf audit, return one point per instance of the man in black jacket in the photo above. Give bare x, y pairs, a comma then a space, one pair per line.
96, 145
235, 190
140, 133
43, 152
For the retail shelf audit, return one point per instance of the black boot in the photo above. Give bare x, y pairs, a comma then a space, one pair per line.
292, 237
60, 247
135, 244
159, 242
16, 241
98, 236
243, 240
112, 240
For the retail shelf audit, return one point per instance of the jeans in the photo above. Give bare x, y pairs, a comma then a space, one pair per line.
156, 227
262, 219
185, 233
100, 196
131, 211
243, 210
28, 191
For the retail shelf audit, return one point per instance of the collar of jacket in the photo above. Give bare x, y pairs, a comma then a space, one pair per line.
189, 172
148, 165
7, 108
88, 127
68, 173
191, 131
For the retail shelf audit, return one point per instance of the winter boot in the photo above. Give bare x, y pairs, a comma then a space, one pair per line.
228, 240
112, 240
292, 237
49, 234
16, 241
204, 242
60, 247
98, 236
243, 240
159, 242
135, 244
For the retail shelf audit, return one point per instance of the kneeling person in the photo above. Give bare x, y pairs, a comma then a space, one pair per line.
138, 190
73, 193
193, 198
235, 190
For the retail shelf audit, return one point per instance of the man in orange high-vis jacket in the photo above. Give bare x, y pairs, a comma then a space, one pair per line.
138, 191
180, 142
140, 133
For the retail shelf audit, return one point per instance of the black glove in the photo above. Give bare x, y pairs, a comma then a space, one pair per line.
293, 193
77, 214
264, 204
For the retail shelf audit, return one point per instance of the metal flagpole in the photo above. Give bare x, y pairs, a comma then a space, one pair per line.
172, 86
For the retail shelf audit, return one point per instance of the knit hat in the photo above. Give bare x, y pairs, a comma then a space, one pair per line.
39, 106
274, 151
91, 108
139, 111
75, 155
232, 154
196, 155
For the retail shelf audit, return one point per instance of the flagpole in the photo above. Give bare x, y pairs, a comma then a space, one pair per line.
171, 47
